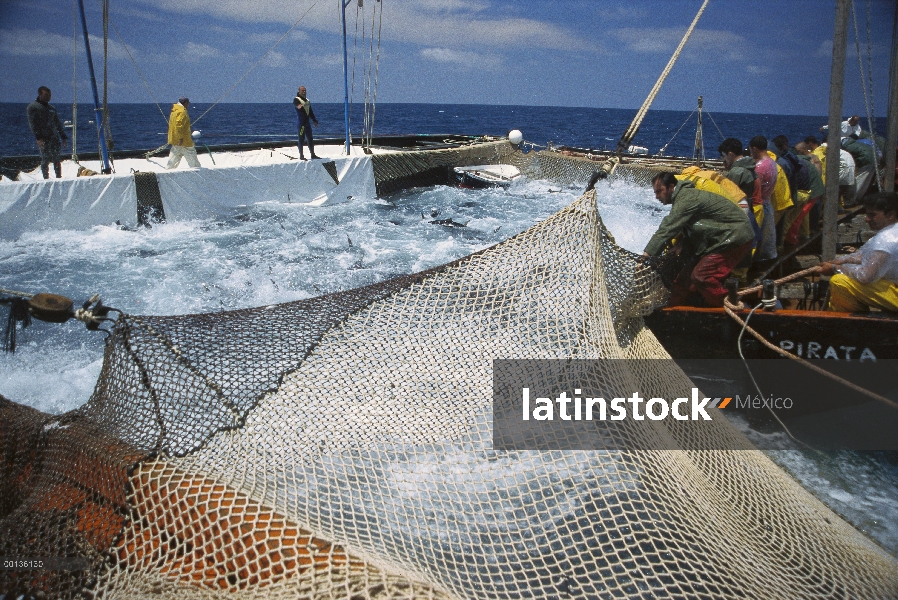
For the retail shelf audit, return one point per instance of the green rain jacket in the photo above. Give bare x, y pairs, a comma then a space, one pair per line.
707, 223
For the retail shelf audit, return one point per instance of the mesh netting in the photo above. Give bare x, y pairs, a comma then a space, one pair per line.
341, 447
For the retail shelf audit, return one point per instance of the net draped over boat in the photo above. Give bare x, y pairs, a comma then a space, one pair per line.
341, 447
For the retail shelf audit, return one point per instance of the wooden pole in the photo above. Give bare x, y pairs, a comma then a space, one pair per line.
892, 128
833, 140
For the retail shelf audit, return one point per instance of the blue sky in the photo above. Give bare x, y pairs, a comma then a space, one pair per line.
764, 56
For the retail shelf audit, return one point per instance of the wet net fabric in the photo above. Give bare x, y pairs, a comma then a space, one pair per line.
340, 447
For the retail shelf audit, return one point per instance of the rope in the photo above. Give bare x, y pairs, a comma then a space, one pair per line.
355, 41
787, 278
75, 81
661, 151
729, 308
380, 21
25, 295
868, 102
373, 63
722, 137
640, 115
752, 376
156, 151
136, 68
107, 131
256, 64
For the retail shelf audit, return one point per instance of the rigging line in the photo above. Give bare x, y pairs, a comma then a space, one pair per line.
75, 81
867, 101
723, 137
355, 41
107, 132
256, 64
136, 68
372, 64
640, 115
661, 151
367, 94
380, 22
872, 116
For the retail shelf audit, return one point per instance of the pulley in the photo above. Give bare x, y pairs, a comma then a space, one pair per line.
51, 308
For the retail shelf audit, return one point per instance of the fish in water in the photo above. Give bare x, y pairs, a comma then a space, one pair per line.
449, 223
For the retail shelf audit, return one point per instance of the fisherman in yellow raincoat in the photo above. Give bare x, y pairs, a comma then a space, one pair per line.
869, 277
179, 136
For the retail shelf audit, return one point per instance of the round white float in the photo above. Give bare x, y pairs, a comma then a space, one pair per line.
515, 136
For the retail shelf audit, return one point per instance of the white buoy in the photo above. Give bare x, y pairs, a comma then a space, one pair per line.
195, 134
515, 136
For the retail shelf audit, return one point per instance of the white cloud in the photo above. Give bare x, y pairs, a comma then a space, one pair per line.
719, 44
33, 42
448, 23
37, 42
757, 70
460, 58
275, 59
194, 52
318, 61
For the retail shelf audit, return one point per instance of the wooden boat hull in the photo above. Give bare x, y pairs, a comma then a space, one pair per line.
690, 332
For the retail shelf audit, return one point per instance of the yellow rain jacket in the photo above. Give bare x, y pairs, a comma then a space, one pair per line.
712, 181
782, 196
820, 152
179, 126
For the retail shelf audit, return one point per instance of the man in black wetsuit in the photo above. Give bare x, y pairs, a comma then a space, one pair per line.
305, 116
44, 122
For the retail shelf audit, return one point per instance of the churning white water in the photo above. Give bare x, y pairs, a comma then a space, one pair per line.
273, 253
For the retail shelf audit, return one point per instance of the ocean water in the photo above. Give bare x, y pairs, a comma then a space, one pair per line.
143, 126
277, 253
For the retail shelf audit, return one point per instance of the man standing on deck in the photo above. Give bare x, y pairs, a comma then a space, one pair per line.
48, 131
869, 277
766, 171
179, 136
712, 233
305, 116
851, 127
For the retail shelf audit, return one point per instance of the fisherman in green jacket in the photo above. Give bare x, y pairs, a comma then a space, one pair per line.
711, 232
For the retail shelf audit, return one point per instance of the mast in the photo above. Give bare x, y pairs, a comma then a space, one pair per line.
93, 82
834, 138
698, 152
343, 5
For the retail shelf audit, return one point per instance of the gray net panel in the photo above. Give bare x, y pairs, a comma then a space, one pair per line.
341, 447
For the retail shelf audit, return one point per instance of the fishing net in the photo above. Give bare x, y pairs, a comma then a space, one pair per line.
341, 447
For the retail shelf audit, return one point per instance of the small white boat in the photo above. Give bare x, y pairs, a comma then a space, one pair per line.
67, 124
482, 176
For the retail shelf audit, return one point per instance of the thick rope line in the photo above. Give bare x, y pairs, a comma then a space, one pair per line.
640, 115
256, 64
730, 308
787, 278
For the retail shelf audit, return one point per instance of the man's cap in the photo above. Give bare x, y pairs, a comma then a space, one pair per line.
184, 100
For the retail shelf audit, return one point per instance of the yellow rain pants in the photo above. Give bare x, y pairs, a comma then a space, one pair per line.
849, 295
